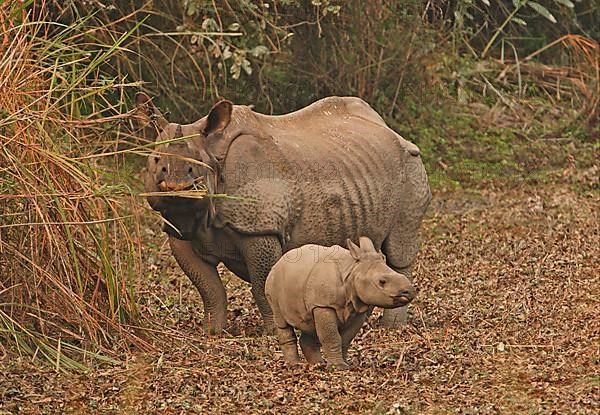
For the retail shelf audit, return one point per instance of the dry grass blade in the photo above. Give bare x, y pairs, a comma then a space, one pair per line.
188, 194
66, 289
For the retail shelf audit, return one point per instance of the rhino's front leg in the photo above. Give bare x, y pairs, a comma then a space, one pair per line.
206, 279
351, 330
260, 254
329, 337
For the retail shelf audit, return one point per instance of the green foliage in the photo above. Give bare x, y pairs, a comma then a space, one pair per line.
480, 25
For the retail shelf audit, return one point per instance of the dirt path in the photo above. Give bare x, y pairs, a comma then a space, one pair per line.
506, 321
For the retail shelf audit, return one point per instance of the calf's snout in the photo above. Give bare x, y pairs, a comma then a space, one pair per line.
399, 288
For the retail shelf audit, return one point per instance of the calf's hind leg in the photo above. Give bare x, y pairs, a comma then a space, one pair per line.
288, 344
311, 348
286, 337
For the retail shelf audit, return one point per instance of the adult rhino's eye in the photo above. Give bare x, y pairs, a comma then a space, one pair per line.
382, 282
190, 170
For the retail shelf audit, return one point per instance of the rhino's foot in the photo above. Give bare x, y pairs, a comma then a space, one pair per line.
213, 331
311, 349
214, 326
338, 365
315, 360
291, 361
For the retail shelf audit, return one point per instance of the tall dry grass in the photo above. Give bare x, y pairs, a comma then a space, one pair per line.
69, 250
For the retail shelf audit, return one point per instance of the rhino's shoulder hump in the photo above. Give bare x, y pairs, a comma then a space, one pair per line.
326, 107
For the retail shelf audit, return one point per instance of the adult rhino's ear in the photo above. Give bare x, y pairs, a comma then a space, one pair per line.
147, 114
218, 117
354, 249
366, 245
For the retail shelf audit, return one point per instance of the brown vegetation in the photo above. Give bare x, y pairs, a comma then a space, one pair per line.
95, 316
505, 321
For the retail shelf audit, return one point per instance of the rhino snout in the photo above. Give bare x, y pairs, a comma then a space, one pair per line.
178, 185
404, 297
398, 287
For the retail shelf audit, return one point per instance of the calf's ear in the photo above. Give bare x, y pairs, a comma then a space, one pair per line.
366, 245
218, 117
354, 249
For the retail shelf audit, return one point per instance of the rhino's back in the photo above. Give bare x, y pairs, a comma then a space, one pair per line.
317, 177
350, 176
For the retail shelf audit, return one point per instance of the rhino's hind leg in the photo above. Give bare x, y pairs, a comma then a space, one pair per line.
260, 254
206, 279
288, 344
311, 349
400, 249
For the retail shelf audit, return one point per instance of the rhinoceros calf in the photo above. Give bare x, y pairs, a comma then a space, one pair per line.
327, 292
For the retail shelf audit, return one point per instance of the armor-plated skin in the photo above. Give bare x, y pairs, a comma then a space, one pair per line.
320, 175
327, 292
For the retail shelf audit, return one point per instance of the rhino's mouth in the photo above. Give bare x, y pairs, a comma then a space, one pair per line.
170, 186
197, 184
180, 221
402, 299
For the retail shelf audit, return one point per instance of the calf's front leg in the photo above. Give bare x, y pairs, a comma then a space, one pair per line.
351, 330
206, 279
329, 336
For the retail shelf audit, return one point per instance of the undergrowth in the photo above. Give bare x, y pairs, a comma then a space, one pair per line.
68, 251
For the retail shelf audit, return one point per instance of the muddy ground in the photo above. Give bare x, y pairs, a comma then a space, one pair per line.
506, 321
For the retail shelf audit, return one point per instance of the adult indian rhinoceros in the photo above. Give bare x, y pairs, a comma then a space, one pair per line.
328, 172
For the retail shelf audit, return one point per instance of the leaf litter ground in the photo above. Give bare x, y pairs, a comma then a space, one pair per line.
506, 321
